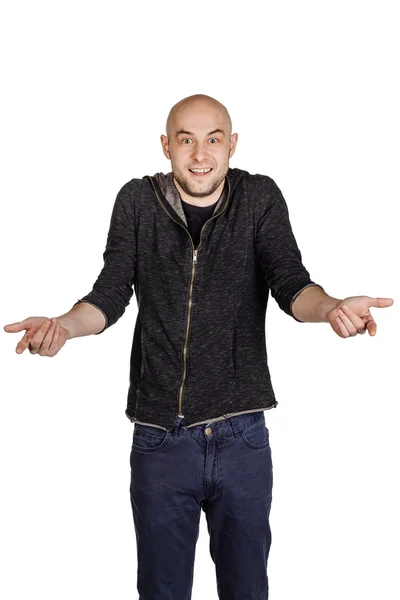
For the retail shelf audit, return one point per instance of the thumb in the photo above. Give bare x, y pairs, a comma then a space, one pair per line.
380, 302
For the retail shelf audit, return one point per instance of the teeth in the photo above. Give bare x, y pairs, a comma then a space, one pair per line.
200, 170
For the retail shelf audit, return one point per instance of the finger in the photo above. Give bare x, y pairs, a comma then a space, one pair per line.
54, 347
371, 326
38, 337
342, 327
380, 302
15, 327
353, 322
23, 343
48, 338
347, 322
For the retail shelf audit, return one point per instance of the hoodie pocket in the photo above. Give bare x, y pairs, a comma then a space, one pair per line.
142, 349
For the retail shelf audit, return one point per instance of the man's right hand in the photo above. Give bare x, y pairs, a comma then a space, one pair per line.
43, 336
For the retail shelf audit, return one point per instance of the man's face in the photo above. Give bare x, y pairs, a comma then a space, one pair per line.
199, 137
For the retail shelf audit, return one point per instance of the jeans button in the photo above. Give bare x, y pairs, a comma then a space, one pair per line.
208, 431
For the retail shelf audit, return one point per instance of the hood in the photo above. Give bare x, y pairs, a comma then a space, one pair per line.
171, 194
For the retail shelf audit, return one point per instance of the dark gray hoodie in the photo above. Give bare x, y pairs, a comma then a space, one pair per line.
199, 347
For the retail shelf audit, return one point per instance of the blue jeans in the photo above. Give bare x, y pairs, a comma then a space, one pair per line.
224, 469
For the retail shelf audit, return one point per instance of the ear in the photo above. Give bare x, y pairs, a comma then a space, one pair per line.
165, 147
234, 140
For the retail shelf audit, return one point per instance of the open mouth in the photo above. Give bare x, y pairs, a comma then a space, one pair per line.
200, 172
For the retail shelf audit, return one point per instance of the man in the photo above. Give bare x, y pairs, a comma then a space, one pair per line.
202, 246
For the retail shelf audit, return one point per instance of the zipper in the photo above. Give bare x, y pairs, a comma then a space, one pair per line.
194, 263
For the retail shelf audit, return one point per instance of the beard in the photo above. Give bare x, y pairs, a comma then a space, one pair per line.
192, 188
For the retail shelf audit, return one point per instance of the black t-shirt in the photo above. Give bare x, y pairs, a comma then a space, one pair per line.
196, 216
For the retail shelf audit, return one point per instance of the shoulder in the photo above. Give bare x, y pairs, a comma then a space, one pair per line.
262, 190
132, 190
255, 182
128, 199
261, 182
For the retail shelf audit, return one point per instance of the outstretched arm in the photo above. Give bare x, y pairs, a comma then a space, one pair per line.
289, 281
347, 317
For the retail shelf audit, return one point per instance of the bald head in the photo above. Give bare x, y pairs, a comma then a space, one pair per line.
197, 103
199, 136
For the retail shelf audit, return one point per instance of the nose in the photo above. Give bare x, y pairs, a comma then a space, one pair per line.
199, 153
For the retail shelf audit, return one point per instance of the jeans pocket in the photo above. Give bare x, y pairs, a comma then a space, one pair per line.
149, 439
256, 436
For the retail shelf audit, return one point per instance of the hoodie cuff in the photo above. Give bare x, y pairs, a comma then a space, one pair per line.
100, 309
297, 294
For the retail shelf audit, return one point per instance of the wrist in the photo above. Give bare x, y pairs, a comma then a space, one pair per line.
327, 305
67, 324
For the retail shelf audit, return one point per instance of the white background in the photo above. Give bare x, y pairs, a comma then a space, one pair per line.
312, 89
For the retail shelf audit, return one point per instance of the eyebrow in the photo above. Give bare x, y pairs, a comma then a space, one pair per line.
218, 130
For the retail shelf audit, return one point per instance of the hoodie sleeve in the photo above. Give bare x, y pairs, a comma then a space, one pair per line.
277, 249
113, 289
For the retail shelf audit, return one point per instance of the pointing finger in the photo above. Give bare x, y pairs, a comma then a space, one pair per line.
381, 302
14, 327
19, 325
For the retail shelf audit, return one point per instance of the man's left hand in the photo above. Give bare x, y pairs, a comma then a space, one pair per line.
352, 315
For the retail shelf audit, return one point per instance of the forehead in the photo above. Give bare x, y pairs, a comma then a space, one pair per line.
199, 118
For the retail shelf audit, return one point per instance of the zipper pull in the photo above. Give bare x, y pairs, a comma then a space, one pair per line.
195, 255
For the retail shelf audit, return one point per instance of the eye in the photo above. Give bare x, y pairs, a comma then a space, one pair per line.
214, 139
184, 140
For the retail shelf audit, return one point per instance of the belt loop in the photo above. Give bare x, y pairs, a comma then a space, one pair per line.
177, 426
235, 425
